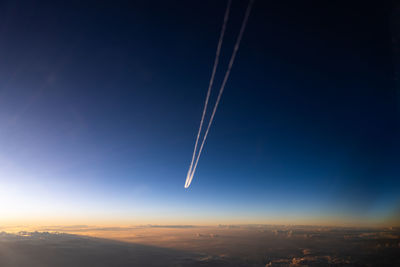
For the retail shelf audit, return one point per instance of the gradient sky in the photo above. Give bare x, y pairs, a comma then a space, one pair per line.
100, 104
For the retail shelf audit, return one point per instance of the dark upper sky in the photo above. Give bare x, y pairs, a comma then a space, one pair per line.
100, 102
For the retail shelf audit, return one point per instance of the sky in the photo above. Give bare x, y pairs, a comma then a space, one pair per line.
100, 103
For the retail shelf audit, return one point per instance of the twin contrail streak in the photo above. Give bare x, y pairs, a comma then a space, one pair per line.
221, 38
192, 167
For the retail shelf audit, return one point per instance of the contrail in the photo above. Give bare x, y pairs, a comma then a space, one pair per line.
192, 168
216, 61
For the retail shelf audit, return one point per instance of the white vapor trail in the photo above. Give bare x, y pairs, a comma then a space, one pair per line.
221, 38
192, 167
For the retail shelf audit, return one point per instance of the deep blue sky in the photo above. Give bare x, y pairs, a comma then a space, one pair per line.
100, 104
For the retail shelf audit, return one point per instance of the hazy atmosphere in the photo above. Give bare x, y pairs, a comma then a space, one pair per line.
199, 133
